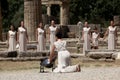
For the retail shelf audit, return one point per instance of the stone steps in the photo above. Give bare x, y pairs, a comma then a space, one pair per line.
103, 53
23, 59
6, 54
72, 49
71, 45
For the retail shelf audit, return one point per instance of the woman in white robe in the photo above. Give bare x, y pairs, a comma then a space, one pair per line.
95, 36
22, 38
112, 36
64, 64
12, 39
52, 31
86, 38
40, 38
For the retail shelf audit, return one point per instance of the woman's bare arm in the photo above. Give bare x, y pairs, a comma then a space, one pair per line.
106, 33
49, 35
8, 39
18, 36
52, 53
37, 35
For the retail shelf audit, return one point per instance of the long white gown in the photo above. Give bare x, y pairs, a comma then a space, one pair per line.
22, 39
63, 58
41, 45
52, 35
111, 38
94, 39
86, 37
12, 40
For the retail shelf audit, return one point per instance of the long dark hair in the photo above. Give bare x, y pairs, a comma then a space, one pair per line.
10, 27
58, 34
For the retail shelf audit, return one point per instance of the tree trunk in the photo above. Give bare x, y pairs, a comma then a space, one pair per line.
32, 16
0, 22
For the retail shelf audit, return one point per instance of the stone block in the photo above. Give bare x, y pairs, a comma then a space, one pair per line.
117, 55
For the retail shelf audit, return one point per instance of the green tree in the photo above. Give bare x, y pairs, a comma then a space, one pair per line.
14, 13
96, 11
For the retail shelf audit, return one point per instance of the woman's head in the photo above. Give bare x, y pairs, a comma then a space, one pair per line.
86, 24
112, 23
40, 25
53, 23
58, 35
12, 27
22, 23
95, 29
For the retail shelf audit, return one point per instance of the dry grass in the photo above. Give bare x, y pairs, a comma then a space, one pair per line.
10, 65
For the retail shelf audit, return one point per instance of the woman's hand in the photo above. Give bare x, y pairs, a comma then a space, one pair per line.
49, 61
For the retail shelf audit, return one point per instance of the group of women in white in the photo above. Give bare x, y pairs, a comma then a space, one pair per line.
56, 43
15, 38
87, 37
21, 38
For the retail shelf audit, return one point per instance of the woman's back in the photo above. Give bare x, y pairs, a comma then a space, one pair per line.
60, 45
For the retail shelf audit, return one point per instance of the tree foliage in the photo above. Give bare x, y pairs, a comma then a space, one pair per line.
95, 11
14, 12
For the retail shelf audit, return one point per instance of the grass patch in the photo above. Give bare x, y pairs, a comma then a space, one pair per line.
97, 65
26, 65
10, 65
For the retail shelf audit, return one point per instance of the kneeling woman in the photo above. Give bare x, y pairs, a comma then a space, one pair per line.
63, 56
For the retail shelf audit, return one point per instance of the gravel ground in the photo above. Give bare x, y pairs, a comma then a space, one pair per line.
97, 73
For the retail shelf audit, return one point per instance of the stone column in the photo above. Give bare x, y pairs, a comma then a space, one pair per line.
64, 13
49, 10
0, 22
32, 17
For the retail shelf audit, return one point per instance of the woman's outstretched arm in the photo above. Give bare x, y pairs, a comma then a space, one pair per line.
52, 53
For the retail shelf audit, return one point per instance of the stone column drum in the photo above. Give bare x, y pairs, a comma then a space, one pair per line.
64, 13
32, 17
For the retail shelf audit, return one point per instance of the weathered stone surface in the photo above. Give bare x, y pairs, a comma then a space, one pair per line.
3, 53
97, 54
23, 59
71, 34
64, 15
117, 20
32, 17
116, 56
64, 9
33, 54
6, 54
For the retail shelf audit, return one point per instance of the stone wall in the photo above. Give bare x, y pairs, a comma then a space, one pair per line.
117, 20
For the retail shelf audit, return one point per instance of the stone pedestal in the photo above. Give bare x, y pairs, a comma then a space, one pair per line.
32, 16
117, 56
